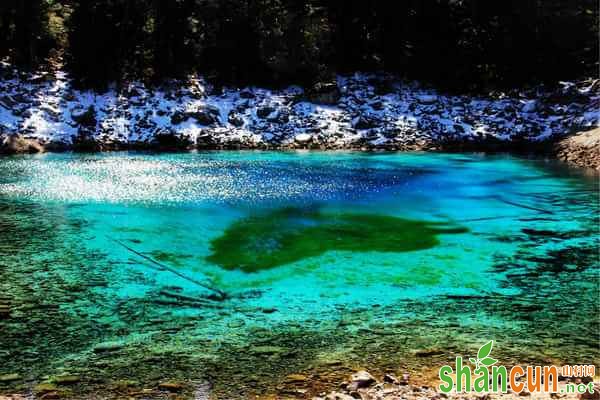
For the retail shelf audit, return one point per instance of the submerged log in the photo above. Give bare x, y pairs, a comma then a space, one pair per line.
219, 294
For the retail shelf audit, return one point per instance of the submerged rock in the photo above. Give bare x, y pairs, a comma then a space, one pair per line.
67, 379
9, 378
107, 347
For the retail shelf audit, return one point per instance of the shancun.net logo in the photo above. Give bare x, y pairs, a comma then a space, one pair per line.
485, 376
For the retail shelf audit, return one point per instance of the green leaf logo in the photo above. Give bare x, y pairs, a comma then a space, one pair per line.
488, 361
485, 350
482, 356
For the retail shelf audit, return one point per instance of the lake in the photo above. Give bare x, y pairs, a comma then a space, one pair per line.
235, 270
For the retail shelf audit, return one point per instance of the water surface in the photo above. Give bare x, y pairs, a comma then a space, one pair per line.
239, 268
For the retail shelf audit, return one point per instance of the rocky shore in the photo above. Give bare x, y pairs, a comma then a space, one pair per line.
582, 149
360, 385
43, 112
364, 386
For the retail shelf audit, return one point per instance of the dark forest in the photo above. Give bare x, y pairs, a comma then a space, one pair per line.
458, 45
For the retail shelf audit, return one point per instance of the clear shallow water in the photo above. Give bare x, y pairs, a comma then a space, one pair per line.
329, 261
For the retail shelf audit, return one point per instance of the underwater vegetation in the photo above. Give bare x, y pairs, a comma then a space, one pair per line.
291, 234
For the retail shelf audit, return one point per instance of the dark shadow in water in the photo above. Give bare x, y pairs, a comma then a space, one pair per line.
287, 235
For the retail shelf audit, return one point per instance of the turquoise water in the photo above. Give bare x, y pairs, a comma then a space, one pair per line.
243, 267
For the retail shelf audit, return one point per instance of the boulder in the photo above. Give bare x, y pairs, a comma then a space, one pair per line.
362, 379
303, 138
205, 115
17, 144
235, 119
362, 122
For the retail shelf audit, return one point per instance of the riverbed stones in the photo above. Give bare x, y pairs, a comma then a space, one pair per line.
582, 149
361, 379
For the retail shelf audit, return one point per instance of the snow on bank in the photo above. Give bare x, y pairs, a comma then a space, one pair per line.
362, 110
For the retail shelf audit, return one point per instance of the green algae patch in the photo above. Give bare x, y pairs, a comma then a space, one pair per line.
291, 234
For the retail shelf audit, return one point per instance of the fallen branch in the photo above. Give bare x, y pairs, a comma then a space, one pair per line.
221, 295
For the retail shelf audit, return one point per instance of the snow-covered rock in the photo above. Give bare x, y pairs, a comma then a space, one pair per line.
359, 111
303, 138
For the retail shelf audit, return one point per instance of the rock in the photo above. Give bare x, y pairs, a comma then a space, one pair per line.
235, 119
405, 379
9, 378
17, 144
582, 149
280, 117
390, 378
362, 379
171, 386
107, 347
236, 323
339, 396
67, 379
529, 106
303, 138
427, 99
264, 112
86, 118
326, 93
204, 115
363, 122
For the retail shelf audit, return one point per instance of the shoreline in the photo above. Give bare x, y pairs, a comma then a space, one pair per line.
580, 150
43, 112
